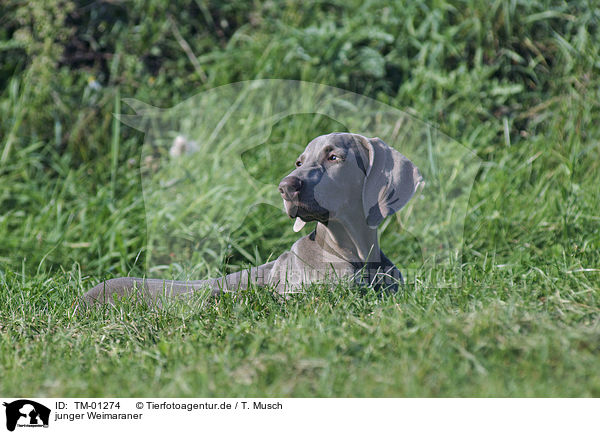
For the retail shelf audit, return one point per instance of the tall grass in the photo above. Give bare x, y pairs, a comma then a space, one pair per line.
517, 82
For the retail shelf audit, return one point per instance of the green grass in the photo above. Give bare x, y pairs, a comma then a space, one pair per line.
474, 341
517, 82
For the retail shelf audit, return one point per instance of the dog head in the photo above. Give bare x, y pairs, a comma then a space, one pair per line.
347, 176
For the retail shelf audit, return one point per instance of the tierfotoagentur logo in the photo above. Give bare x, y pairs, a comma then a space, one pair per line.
25, 413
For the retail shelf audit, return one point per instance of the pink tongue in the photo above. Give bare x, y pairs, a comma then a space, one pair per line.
299, 224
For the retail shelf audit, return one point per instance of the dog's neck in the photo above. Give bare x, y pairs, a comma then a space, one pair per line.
351, 242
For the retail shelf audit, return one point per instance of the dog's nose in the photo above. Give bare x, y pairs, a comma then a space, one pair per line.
289, 187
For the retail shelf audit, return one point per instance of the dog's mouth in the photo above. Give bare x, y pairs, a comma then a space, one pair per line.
299, 202
305, 212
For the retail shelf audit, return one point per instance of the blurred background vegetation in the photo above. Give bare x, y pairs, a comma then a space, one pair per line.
513, 80
516, 81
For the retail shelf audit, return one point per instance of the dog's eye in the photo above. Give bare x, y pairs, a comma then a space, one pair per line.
298, 163
333, 157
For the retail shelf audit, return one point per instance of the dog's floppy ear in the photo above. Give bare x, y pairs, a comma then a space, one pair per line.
391, 180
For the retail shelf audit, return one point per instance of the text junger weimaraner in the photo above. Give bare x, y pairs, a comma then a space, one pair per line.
348, 184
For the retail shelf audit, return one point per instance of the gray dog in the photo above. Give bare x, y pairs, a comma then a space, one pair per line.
348, 184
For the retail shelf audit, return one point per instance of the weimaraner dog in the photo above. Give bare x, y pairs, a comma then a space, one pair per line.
348, 184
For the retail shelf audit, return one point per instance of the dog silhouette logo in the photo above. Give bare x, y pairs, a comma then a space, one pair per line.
26, 413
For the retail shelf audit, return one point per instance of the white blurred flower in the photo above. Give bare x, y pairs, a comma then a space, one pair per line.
93, 83
182, 146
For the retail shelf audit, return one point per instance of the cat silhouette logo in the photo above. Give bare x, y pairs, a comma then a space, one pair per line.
26, 413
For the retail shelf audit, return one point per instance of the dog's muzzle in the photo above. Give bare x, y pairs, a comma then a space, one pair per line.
290, 187
299, 201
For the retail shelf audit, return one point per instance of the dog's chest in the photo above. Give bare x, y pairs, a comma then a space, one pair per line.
305, 263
